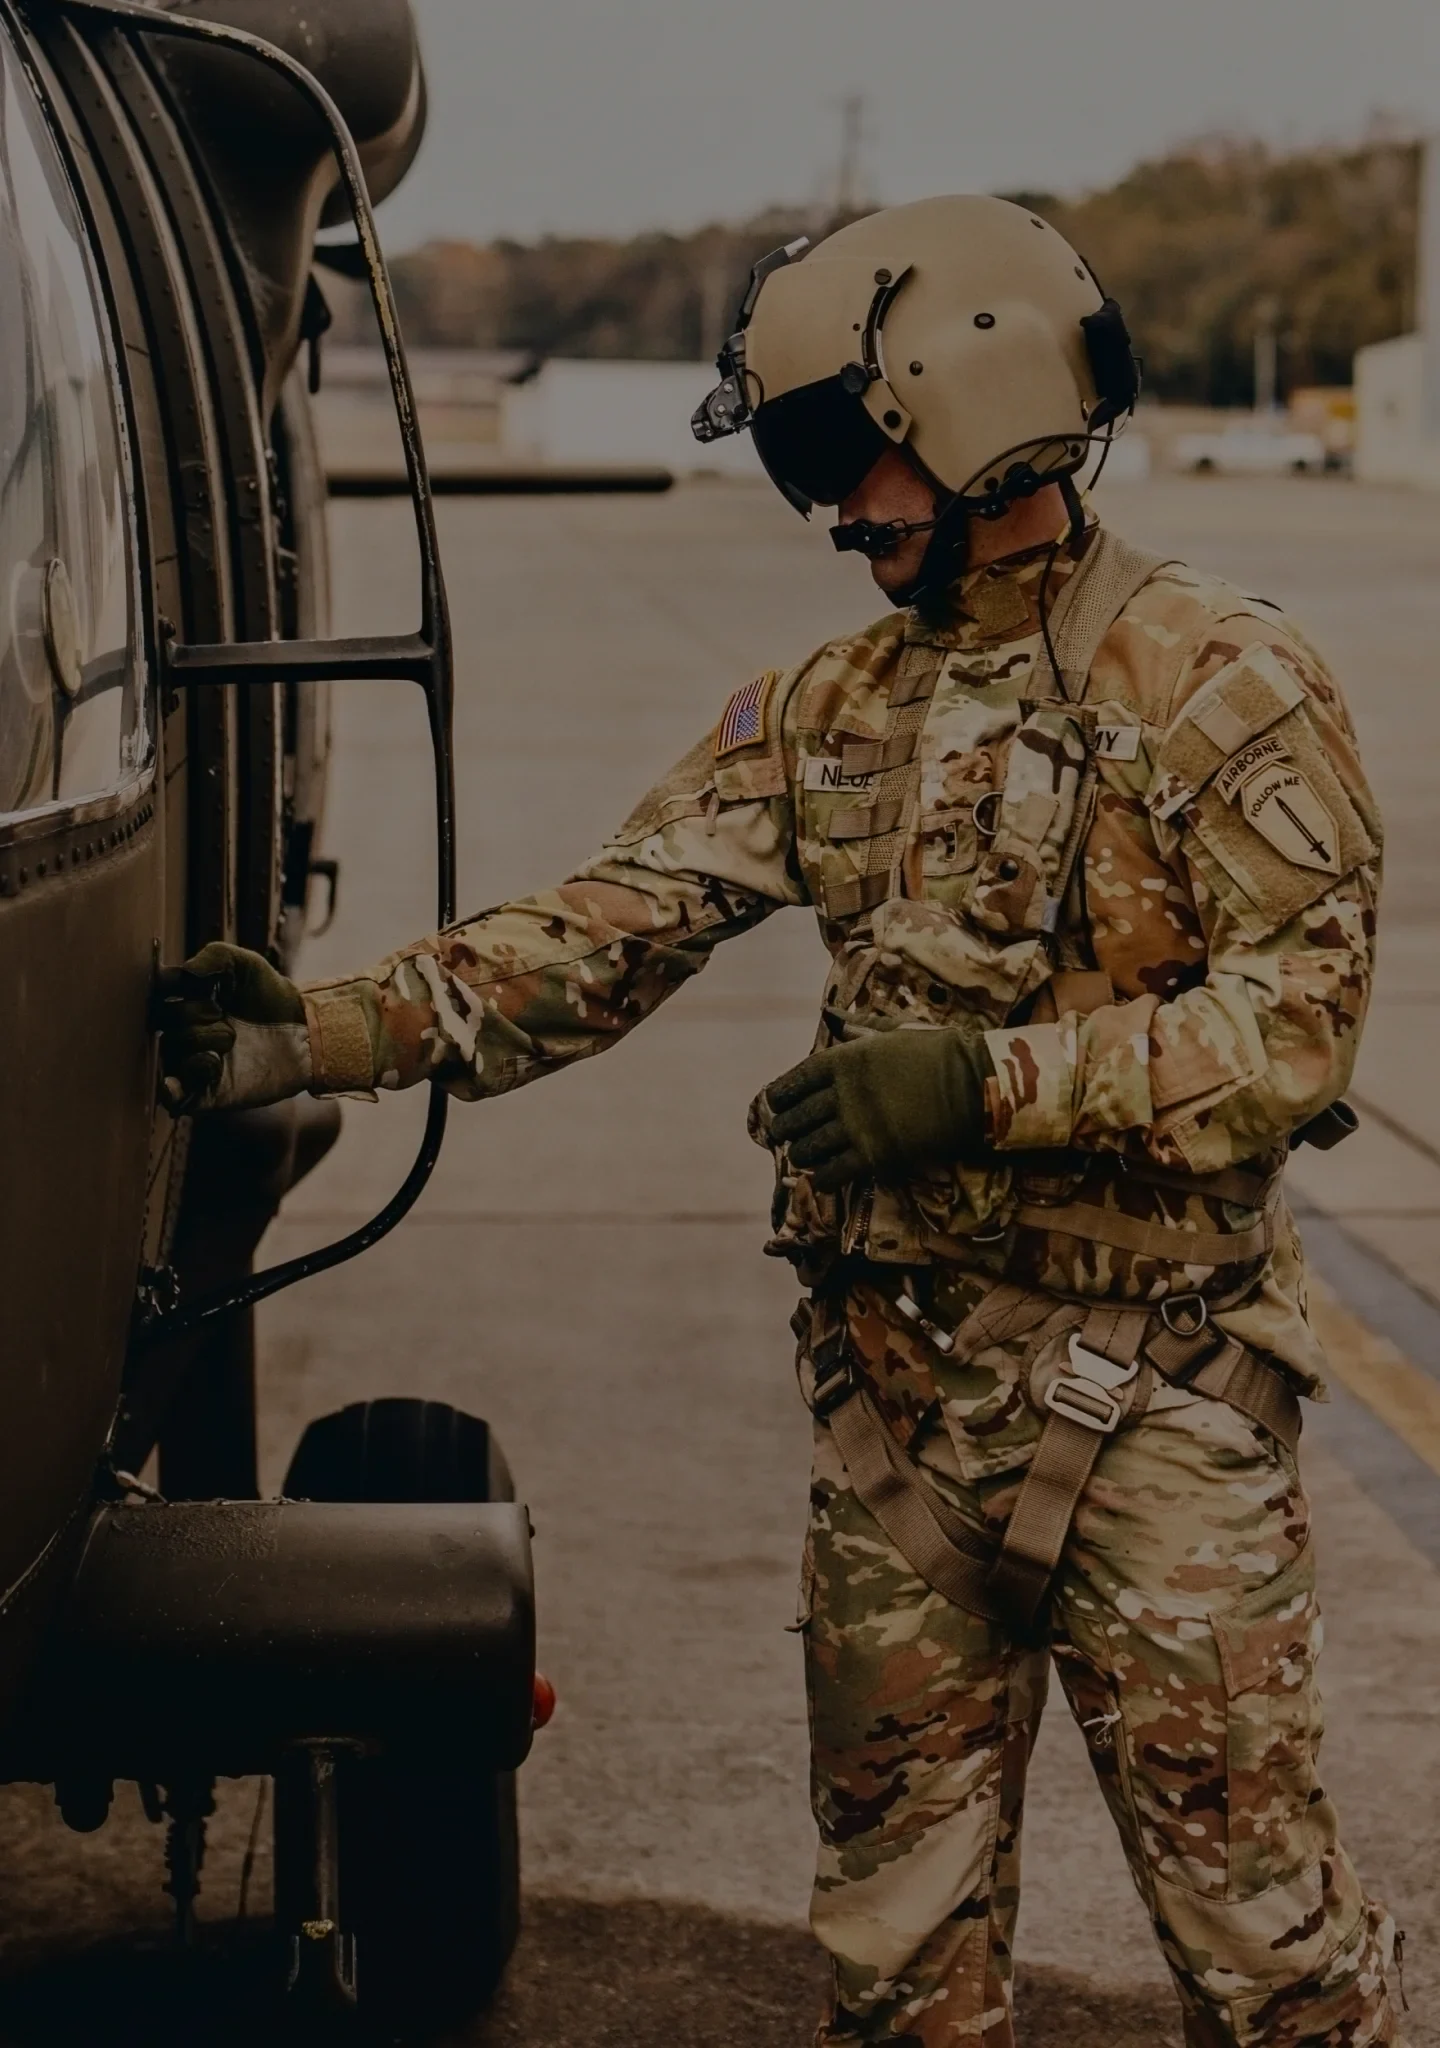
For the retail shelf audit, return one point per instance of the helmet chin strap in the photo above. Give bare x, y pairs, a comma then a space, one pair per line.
876, 539
943, 560
947, 552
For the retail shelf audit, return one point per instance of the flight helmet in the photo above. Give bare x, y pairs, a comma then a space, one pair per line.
963, 331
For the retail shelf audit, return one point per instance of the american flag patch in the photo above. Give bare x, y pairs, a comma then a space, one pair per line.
743, 721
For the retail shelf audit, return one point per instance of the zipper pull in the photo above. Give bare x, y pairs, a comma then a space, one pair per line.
910, 1308
1104, 1725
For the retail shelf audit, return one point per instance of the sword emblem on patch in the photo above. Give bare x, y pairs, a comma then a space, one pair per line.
743, 721
1278, 801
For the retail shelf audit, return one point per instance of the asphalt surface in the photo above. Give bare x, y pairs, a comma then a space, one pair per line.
585, 1271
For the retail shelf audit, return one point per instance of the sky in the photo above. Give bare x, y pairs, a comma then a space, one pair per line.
613, 116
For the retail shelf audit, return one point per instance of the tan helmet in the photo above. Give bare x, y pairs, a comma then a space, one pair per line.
964, 330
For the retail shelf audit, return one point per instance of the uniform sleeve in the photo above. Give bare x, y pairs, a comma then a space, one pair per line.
533, 985
1259, 807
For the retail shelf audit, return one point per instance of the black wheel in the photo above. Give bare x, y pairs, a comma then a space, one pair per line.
429, 1848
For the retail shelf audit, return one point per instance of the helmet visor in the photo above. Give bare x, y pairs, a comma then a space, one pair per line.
818, 443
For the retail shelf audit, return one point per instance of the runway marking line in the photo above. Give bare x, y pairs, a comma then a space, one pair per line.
1378, 1373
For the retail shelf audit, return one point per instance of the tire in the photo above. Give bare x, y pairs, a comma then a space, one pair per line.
429, 1848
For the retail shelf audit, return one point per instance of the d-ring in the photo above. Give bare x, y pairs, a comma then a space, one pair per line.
986, 812
1184, 1315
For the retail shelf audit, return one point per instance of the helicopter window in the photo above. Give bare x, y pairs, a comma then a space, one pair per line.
73, 711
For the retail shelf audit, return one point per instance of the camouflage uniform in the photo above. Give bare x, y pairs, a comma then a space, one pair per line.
919, 787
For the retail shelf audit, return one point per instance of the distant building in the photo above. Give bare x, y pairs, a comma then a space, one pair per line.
1397, 383
1391, 444
587, 412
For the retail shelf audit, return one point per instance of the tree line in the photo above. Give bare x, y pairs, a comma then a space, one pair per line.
1200, 246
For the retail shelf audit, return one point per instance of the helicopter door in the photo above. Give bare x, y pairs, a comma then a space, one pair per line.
79, 866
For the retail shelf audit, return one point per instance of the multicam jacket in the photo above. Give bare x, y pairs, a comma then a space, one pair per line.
1193, 997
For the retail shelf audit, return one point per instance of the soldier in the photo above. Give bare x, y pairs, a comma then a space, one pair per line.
1097, 868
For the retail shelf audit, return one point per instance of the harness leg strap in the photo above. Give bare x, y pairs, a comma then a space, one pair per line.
948, 1554
1087, 1403
943, 1549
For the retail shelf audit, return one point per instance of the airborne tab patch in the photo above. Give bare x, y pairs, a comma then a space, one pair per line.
744, 719
1269, 747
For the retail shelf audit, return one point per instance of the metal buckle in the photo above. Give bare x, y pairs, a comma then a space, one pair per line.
1067, 1396
1086, 1394
910, 1308
832, 1389
1192, 1310
1093, 1365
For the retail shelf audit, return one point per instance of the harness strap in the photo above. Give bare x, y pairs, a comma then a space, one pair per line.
1151, 1240
1105, 579
1104, 1380
1242, 1185
927, 1532
1087, 1403
1247, 1187
1209, 1363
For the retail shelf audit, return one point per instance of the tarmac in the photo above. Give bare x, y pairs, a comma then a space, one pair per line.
585, 1271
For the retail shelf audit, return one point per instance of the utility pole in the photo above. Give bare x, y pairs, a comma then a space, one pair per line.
848, 198
1267, 355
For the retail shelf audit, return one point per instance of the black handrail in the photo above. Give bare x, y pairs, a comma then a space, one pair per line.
424, 657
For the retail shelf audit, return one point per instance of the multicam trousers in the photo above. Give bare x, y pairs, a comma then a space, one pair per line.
1184, 1627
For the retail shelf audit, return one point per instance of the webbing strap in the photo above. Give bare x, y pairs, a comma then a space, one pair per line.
1064, 1459
1012, 1584
1168, 1241
930, 1536
866, 821
848, 899
1091, 600
1241, 1185
1257, 1390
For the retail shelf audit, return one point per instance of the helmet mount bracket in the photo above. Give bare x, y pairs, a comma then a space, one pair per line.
880, 401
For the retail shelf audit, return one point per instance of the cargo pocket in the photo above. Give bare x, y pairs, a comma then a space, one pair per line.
1276, 1818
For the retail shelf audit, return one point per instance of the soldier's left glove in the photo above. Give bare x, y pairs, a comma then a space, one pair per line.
232, 1032
882, 1106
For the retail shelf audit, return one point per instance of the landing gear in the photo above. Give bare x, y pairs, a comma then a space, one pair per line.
397, 1877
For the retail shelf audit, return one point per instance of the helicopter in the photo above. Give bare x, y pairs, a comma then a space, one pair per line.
365, 1641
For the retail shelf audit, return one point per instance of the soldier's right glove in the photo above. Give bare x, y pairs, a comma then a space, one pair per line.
885, 1105
232, 1032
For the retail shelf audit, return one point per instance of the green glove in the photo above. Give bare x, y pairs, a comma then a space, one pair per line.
882, 1106
232, 1032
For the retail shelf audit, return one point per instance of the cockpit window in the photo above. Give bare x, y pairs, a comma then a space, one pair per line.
73, 710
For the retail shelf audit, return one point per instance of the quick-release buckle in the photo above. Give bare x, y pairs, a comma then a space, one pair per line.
833, 1387
1086, 1393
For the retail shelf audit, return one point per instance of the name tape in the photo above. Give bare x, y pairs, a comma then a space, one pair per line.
1117, 742
823, 773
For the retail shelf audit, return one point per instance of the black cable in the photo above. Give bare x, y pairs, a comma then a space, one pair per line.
1109, 443
1042, 606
